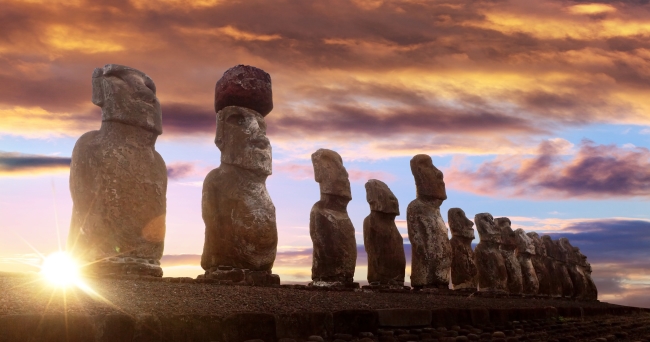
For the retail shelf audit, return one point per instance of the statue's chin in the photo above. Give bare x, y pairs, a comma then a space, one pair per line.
256, 160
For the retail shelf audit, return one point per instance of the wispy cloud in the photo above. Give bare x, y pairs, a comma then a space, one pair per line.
594, 171
13, 163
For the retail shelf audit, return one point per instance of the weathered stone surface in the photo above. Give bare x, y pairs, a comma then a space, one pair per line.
538, 260
239, 216
463, 268
118, 182
578, 279
244, 86
525, 251
508, 247
561, 256
492, 273
591, 291
554, 266
332, 232
431, 249
382, 241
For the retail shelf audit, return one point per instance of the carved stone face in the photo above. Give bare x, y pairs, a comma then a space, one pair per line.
508, 237
330, 173
128, 96
459, 224
487, 229
540, 249
524, 242
567, 251
241, 137
428, 179
551, 247
381, 198
582, 259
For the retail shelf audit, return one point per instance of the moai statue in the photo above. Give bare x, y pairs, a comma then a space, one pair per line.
241, 236
578, 278
431, 250
591, 291
525, 251
118, 181
492, 273
507, 247
539, 263
463, 268
382, 241
332, 233
555, 267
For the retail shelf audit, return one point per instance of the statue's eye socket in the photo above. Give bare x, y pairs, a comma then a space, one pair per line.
149, 83
236, 119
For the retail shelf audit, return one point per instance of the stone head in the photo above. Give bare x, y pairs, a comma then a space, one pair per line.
581, 258
567, 251
459, 224
241, 137
551, 247
428, 179
330, 173
487, 229
244, 86
524, 242
381, 198
128, 96
508, 237
540, 249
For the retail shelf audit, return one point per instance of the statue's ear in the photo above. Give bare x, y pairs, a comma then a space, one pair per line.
218, 140
98, 87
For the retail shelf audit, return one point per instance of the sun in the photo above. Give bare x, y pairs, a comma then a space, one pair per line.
61, 270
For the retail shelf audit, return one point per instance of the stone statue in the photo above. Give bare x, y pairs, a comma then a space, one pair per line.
508, 246
561, 256
558, 273
591, 291
492, 273
332, 233
383, 242
463, 268
525, 251
118, 181
431, 250
539, 263
240, 229
578, 278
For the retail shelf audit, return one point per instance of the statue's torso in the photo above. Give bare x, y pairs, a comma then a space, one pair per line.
335, 250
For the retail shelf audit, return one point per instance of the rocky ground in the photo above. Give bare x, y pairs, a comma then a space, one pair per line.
23, 295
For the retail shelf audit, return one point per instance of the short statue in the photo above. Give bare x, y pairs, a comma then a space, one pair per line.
118, 181
591, 291
492, 273
332, 232
241, 236
463, 268
578, 278
431, 250
525, 251
539, 263
554, 267
382, 241
508, 246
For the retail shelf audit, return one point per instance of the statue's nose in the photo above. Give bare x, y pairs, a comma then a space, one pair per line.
260, 141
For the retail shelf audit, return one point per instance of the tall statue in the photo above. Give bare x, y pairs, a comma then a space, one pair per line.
539, 263
332, 232
525, 251
463, 268
507, 247
241, 236
431, 249
118, 181
381, 239
492, 273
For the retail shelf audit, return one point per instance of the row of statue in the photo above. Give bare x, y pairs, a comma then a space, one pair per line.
118, 184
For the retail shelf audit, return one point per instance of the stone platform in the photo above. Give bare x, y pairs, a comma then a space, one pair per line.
177, 309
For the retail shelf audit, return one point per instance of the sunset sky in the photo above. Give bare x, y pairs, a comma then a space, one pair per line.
534, 110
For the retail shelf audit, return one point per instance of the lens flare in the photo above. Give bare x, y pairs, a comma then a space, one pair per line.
60, 270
